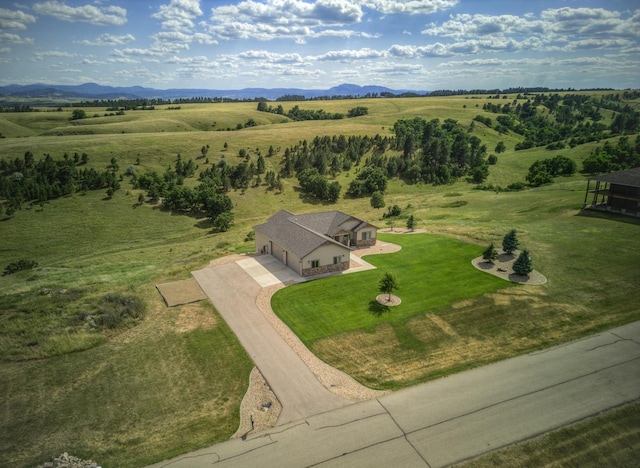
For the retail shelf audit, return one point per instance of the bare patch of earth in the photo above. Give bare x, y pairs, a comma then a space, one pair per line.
181, 292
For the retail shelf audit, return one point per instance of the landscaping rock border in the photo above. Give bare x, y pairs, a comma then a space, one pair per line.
384, 300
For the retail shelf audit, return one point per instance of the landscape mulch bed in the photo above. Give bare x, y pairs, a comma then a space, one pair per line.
502, 267
181, 292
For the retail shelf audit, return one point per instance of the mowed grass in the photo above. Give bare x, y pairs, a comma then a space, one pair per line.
432, 271
155, 369
609, 439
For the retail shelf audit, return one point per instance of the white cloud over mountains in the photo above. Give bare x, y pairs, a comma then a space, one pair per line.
415, 43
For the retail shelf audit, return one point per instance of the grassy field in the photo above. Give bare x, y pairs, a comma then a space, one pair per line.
610, 439
174, 381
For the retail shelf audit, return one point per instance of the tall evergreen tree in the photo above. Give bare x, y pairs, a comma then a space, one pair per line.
510, 242
523, 264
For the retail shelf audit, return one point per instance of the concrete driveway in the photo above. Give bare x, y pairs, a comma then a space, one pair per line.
452, 419
233, 289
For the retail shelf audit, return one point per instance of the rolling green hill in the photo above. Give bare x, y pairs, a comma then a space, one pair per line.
158, 386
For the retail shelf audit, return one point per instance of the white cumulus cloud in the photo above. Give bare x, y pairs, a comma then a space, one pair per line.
102, 16
15, 19
294, 19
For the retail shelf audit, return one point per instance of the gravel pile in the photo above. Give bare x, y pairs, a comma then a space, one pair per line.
69, 461
260, 408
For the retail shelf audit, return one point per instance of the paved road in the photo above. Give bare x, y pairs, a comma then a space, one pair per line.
451, 419
233, 293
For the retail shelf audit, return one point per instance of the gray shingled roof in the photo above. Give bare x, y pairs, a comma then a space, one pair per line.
630, 177
302, 234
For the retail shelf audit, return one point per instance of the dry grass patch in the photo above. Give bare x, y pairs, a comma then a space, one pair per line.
193, 316
467, 334
609, 439
169, 385
378, 359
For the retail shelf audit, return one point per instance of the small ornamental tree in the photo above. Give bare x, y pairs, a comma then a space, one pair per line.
388, 284
523, 265
490, 254
411, 222
510, 242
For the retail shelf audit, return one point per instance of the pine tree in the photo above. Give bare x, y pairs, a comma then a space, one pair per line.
510, 242
490, 254
523, 265
411, 223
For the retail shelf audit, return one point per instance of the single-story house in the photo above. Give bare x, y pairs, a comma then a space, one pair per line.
316, 243
617, 191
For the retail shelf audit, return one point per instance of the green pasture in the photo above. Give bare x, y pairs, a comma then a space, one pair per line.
173, 382
432, 271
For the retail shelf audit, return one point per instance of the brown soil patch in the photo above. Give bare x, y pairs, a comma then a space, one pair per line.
181, 292
194, 316
388, 300
502, 267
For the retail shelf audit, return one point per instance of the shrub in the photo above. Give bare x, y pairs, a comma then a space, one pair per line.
20, 265
115, 310
515, 187
392, 212
490, 253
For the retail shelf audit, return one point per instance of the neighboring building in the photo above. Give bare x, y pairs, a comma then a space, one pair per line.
315, 243
618, 192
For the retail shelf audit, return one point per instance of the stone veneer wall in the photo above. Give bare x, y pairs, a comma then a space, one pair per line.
366, 243
325, 269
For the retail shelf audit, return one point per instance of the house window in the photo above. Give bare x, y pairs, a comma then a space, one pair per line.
366, 235
315, 263
337, 259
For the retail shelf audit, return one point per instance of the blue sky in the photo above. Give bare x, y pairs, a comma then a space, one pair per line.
402, 44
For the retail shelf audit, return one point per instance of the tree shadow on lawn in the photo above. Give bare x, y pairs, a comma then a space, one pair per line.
378, 309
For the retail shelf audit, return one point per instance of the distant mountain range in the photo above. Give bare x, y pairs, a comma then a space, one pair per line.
93, 91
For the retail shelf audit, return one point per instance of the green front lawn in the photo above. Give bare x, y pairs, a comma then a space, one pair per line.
432, 271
